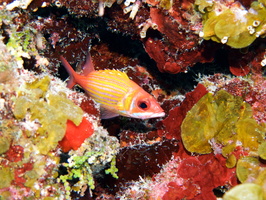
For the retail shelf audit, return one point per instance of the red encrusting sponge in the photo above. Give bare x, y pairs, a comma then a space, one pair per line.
75, 135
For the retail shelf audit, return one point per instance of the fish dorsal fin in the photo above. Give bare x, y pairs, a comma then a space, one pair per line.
114, 72
88, 67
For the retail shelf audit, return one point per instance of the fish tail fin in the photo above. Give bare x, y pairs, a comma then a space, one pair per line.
71, 72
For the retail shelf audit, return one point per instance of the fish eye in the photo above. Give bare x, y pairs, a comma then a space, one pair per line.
143, 105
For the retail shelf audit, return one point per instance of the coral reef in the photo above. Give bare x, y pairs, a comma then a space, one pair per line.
204, 61
36, 111
182, 179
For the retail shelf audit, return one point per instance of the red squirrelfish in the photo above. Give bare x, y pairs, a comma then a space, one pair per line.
115, 92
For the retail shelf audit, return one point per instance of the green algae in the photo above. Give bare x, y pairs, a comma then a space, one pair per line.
166, 4
203, 5
249, 169
7, 177
79, 167
262, 150
4, 144
38, 121
33, 116
245, 191
39, 87
220, 123
113, 169
231, 161
21, 39
196, 133
223, 119
234, 26
96, 154
8, 132
52, 112
82, 168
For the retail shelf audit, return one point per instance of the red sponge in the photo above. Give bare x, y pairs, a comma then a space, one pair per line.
75, 135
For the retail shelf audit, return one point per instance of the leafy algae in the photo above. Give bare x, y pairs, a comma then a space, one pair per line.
220, 123
245, 191
262, 150
7, 177
232, 24
223, 119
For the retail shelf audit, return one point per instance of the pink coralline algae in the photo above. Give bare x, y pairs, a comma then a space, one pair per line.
193, 178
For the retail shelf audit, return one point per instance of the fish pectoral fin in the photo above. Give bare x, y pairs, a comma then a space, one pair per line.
107, 114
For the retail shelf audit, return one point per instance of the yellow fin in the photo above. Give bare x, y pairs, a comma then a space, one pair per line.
114, 72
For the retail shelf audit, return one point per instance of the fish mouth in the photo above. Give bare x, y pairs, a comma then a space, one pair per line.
146, 115
151, 115
162, 114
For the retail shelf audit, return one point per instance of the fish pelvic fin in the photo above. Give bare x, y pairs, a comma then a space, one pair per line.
107, 114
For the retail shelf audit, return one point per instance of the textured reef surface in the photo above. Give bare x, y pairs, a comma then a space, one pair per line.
203, 60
